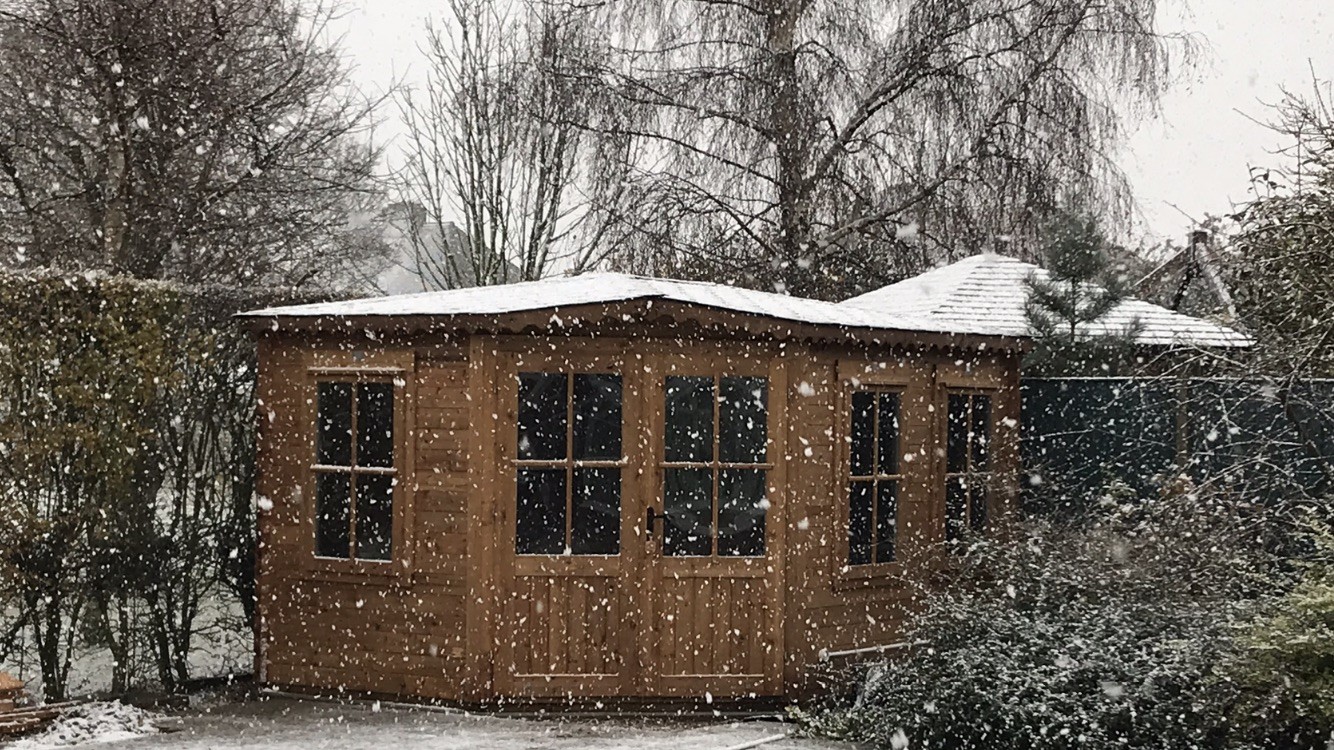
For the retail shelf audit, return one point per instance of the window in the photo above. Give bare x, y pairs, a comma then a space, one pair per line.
568, 498
715, 468
354, 470
967, 463
873, 477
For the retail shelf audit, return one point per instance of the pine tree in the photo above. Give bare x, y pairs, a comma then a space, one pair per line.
1065, 309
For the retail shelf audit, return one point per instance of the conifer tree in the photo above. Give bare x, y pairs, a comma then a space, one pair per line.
1065, 309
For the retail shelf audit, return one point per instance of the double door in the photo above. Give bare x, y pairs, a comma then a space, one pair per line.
640, 524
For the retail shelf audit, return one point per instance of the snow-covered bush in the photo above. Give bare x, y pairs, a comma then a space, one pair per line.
1106, 634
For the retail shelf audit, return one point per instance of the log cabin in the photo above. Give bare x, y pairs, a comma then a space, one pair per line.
607, 486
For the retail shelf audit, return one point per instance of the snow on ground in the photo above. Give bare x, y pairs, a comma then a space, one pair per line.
288, 724
93, 723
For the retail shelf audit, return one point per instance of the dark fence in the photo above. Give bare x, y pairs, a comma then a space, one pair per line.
1261, 440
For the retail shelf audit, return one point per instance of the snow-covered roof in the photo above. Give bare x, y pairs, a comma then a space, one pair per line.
987, 294
983, 295
603, 288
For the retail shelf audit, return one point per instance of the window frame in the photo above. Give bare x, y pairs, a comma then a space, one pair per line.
881, 377
569, 463
987, 477
395, 368
715, 465
877, 476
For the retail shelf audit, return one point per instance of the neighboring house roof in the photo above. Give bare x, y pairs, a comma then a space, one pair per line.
989, 293
1191, 280
983, 295
408, 272
437, 256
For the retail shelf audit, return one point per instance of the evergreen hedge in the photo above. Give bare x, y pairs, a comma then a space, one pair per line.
126, 433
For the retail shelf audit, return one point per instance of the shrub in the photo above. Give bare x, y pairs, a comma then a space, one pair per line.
126, 470
1097, 635
1285, 663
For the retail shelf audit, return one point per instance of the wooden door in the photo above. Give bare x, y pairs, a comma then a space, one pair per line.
674, 607
569, 565
714, 562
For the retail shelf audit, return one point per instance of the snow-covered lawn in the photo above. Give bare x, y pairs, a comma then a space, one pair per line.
288, 724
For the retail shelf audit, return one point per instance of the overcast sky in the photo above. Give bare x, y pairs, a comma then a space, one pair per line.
1195, 155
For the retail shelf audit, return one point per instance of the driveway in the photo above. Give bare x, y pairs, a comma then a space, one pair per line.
280, 723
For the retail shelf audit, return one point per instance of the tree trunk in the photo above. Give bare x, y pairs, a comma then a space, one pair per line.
789, 127
49, 634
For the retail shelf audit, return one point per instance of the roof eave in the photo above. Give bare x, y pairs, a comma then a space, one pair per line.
623, 318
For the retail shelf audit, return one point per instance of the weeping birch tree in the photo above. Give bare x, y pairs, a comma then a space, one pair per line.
821, 145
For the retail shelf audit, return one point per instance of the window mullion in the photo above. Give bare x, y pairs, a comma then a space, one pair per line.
352, 478
874, 531
717, 439
569, 461
972, 429
971, 481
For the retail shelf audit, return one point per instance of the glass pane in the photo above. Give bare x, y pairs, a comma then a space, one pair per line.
375, 516
687, 507
863, 442
333, 425
689, 418
981, 436
539, 517
743, 409
956, 446
977, 505
888, 461
741, 512
596, 526
859, 522
542, 418
597, 416
333, 515
375, 424
886, 520
956, 500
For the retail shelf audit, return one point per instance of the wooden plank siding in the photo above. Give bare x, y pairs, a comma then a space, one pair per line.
459, 616
830, 607
395, 631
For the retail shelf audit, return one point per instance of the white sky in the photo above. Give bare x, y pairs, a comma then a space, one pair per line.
1195, 155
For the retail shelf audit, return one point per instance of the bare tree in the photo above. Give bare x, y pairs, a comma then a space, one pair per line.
1281, 258
814, 145
498, 148
200, 140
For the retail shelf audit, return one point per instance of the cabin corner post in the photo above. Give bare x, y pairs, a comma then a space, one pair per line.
262, 346
1010, 429
483, 599
777, 667
278, 499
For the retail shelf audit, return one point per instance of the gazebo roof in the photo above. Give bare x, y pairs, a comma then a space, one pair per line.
988, 293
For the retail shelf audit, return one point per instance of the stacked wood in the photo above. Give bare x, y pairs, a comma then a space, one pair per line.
25, 720
10, 690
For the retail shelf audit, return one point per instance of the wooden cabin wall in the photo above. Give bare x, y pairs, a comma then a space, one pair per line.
400, 632
828, 610
429, 629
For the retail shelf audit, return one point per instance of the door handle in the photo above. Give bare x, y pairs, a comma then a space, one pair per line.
653, 515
